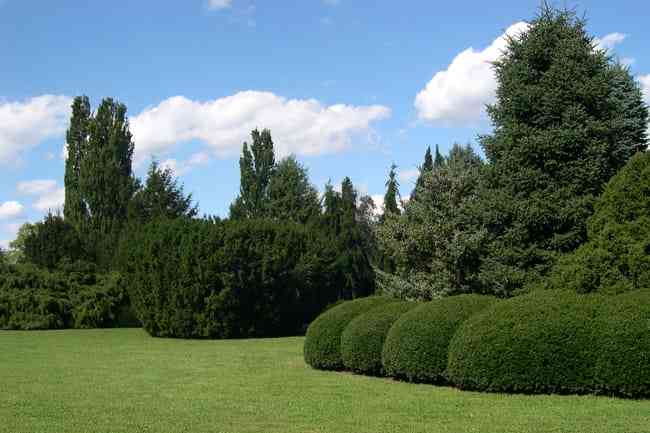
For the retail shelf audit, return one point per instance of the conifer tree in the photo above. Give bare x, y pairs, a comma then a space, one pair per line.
291, 195
426, 167
392, 193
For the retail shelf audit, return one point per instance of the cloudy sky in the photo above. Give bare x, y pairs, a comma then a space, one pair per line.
347, 87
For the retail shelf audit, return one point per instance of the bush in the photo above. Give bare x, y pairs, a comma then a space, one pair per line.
322, 348
416, 347
72, 297
616, 258
363, 339
544, 342
240, 278
623, 362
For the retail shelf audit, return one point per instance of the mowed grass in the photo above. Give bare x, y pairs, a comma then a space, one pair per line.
125, 381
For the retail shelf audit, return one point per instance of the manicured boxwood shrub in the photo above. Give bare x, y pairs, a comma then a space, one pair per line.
417, 344
623, 362
544, 342
322, 347
363, 339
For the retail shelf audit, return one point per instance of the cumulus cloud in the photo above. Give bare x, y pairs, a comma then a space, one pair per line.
459, 93
219, 4
11, 209
609, 41
36, 187
181, 167
299, 126
50, 201
25, 124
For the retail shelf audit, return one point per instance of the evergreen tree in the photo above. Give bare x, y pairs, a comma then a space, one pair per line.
332, 209
161, 196
392, 193
106, 183
256, 166
50, 241
566, 119
426, 167
439, 158
291, 195
74, 209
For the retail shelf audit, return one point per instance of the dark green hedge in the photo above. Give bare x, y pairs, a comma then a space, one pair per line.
193, 278
623, 362
363, 339
71, 297
322, 347
544, 342
416, 347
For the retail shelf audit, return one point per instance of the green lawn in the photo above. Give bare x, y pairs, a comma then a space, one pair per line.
125, 381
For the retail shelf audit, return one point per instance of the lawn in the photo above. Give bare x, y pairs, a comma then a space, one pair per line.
125, 381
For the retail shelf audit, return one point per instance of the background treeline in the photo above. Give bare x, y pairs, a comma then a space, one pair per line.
539, 211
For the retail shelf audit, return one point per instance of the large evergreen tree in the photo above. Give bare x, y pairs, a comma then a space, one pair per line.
425, 168
256, 166
74, 209
565, 120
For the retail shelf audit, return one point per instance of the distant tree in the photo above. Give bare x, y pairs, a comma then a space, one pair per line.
426, 167
75, 209
332, 209
256, 166
161, 196
16, 253
392, 193
290, 194
566, 118
439, 158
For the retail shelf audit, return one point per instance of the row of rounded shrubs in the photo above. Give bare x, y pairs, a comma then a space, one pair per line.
543, 342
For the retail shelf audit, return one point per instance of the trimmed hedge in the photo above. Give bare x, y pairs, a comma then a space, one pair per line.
544, 342
416, 346
322, 347
363, 339
623, 363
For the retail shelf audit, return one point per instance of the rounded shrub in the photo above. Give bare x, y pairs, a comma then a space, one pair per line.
623, 363
363, 339
543, 342
417, 344
322, 348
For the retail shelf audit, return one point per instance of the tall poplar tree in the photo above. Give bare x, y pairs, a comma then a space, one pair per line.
256, 167
74, 209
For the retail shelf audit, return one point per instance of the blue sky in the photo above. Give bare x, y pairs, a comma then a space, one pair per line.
349, 86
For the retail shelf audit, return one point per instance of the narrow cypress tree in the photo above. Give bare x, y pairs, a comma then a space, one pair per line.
392, 192
425, 168
440, 160
74, 209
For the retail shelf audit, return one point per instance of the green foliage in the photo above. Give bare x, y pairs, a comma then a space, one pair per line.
48, 242
322, 348
623, 358
417, 345
544, 342
256, 166
392, 193
363, 339
72, 297
566, 119
433, 243
239, 278
617, 256
291, 195
75, 208
161, 196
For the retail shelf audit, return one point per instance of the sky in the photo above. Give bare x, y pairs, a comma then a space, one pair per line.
348, 86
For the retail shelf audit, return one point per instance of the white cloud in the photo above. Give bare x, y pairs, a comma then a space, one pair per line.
645, 87
52, 200
25, 124
459, 93
11, 209
219, 4
408, 175
609, 41
182, 167
36, 187
299, 126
